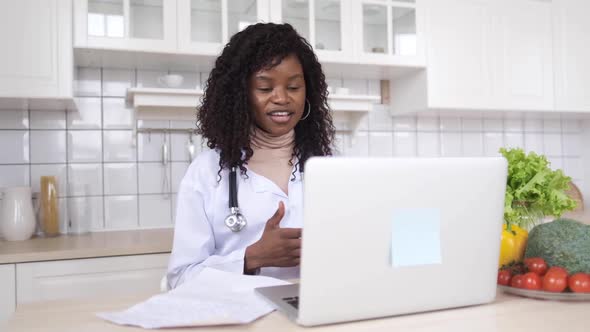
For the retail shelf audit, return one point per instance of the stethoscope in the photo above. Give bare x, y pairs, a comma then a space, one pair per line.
235, 220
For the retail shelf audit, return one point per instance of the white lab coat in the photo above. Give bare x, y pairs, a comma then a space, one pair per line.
201, 238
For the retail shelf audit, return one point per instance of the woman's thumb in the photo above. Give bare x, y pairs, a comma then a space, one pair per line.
277, 216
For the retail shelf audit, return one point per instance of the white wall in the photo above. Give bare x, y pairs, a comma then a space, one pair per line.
122, 184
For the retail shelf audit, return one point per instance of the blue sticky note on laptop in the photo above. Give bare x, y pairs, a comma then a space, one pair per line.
415, 237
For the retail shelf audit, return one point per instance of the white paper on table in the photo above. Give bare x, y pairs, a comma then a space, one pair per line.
212, 297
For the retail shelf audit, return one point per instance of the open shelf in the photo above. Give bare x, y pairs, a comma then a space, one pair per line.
181, 104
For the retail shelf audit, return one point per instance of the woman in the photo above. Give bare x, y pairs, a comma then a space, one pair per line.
264, 113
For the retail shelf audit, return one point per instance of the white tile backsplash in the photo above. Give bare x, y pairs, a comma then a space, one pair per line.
85, 180
86, 212
514, 140
14, 146
87, 116
551, 126
14, 119
149, 78
120, 212
115, 82
357, 145
120, 179
48, 146
492, 142
356, 86
533, 142
513, 125
116, 115
533, 125
450, 144
190, 80
84, 146
48, 119
155, 211
87, 82
179, 146
555, 162
571, 126
552, 144
428, 123
338, 144
472, 144
113, 181
380, 144
380, 119
118, 145
450, 124
404, 123
428, 144
573, 167
471, 124
14, 175
572, 144
150, 146
183, 124
404, 144
493, 125
155, 178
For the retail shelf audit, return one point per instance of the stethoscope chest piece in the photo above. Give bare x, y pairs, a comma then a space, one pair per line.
235, 221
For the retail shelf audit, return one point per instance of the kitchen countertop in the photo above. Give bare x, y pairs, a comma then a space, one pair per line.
507, 313
99, 244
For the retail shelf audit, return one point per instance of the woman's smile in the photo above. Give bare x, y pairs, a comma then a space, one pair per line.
280, 117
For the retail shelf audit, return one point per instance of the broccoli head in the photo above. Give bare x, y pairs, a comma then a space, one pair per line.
562, 242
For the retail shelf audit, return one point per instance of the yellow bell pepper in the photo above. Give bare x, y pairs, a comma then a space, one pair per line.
512, 245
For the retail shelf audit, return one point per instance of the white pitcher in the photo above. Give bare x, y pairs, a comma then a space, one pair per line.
17, 218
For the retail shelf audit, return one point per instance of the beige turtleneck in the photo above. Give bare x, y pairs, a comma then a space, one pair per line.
272, 155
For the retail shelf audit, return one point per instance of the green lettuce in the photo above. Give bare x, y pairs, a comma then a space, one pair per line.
532, 183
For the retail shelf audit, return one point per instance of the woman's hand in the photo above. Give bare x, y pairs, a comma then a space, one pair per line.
277, 246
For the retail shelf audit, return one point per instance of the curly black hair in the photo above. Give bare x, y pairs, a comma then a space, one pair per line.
225, 117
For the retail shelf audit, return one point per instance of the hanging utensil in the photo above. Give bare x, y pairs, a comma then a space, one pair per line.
191, 147
165, 181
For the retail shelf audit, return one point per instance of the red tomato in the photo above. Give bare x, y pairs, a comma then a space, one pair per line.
531, 281
504, 277
558, 269
516, 281
555, 280
579, 283
536, 264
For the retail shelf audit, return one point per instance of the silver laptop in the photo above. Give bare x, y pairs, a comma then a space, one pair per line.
392, 236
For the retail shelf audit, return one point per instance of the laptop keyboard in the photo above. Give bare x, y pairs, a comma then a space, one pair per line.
294, 301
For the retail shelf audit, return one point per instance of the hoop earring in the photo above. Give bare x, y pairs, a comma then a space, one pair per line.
308, 110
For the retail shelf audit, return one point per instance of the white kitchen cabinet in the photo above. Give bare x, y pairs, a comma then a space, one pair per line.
388, 32
522, 59
8, 291
459, 50
571, 54
36, 59
138, 25
205, 26
482, 55
92, 277
325, 24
